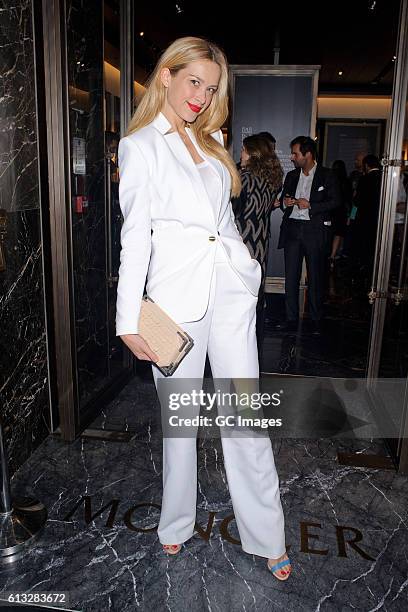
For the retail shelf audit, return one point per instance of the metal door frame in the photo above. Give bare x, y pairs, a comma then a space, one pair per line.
389, 191
56, 116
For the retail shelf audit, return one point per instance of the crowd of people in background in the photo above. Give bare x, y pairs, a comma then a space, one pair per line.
261, 177
362, 205
330, 219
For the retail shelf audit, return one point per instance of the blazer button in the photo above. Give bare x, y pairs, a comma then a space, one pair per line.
212, 238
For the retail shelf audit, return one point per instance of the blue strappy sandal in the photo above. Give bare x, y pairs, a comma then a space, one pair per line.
274, 568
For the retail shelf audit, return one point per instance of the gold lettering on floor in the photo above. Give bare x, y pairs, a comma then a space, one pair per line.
306, 535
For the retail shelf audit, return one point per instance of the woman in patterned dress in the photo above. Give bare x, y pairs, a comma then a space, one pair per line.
261, 176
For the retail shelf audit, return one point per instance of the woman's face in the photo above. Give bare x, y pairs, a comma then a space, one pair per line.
190, 90
244, 156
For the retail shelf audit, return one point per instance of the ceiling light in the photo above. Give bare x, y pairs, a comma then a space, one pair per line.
340, 73
141, 33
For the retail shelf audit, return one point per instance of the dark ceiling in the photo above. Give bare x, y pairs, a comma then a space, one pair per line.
357, 38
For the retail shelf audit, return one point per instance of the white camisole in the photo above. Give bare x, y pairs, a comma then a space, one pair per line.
212, 180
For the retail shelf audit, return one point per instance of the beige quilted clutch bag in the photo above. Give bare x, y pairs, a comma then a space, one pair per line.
169, 341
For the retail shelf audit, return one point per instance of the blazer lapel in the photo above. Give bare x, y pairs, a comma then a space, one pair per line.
184, 157
188, 165
291, 190
317, 180
295, 182
223, 182
212, 161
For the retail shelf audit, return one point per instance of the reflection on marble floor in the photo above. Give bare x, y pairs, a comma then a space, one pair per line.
115, 561
340, 351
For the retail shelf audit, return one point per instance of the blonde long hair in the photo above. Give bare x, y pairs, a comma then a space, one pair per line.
176, 57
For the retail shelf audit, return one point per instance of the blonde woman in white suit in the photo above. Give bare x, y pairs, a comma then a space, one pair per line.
176, 180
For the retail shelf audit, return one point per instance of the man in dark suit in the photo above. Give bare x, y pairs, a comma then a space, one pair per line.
367, 201
310, 193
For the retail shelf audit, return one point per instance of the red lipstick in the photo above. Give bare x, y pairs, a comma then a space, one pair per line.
194, 108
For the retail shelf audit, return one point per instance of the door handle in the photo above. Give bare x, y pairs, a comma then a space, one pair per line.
397, 297
399, 163
375, 293
3, 231
399, 294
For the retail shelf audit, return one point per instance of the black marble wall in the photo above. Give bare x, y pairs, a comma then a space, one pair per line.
85, 51
24, 395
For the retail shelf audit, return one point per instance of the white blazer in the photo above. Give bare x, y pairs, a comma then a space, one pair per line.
169, 228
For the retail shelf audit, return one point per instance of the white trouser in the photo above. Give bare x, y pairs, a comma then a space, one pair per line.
227, 333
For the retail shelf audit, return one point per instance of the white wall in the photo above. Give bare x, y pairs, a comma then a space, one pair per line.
348, 107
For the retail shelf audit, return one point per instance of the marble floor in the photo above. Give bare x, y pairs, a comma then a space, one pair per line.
346, 527
342, 348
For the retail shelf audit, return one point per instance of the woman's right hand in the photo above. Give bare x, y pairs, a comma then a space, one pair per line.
139, 347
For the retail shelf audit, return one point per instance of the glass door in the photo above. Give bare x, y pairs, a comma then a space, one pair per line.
86, 54
93, 69
113, 218
388, 351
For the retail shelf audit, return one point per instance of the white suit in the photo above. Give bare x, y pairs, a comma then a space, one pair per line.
202, 275
160, 189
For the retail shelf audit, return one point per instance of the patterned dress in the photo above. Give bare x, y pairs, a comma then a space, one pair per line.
252, 210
